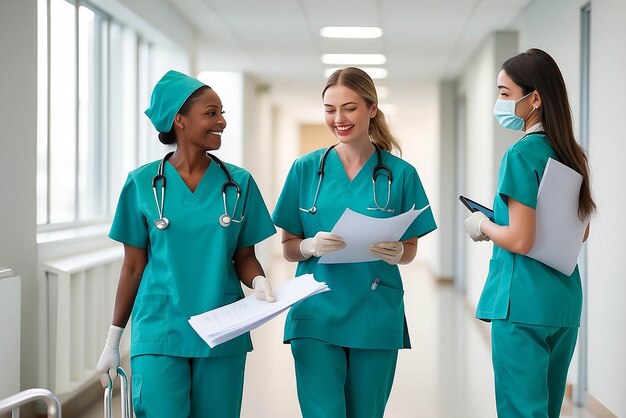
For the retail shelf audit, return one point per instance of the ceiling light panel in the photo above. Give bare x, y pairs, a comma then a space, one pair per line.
354, 59
358, 32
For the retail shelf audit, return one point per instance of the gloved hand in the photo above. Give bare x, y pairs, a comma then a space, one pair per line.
322, 243
110, 357
389, 252
472, 226
263, 289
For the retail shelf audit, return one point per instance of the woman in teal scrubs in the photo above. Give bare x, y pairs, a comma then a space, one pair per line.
192, 265
345, 342
534, 310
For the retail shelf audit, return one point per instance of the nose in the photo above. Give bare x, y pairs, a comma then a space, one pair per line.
222, 121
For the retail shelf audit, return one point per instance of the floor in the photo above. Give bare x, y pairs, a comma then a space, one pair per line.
447, 374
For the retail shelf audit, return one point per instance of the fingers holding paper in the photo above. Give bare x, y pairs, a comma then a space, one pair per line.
263, 289
389, 252
322, 243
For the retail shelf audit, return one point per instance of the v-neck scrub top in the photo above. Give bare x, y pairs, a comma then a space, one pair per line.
189, 268
519, 288
351, 314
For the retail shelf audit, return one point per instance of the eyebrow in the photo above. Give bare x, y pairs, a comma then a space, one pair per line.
345, 104
211, 105
504, 87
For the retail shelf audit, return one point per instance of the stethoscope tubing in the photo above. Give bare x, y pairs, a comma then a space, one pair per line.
224, 220
375, 173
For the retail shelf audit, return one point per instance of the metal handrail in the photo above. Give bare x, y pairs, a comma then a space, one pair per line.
124, 392
13, 403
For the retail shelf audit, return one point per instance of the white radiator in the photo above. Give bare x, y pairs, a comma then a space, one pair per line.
10, 315
80, 296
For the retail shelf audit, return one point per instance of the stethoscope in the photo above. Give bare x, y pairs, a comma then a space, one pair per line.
225, 219
379, 166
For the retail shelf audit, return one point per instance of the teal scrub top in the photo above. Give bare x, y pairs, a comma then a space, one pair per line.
190, 268
520, 288
351, 314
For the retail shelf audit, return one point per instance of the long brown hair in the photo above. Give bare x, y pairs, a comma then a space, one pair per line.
536, 70
360, 82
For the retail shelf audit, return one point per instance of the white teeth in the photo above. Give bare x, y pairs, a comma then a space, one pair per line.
215, 133
343, 128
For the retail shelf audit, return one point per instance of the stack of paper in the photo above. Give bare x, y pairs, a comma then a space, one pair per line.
559, 230
230, 321
360, 231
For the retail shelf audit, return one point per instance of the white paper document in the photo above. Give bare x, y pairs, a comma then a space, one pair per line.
559, 231
360, 231
227, 322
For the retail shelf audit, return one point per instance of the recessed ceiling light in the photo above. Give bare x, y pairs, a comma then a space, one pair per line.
374, 72
354, 59
362, 32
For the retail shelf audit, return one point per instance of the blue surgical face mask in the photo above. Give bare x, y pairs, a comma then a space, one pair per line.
504, 111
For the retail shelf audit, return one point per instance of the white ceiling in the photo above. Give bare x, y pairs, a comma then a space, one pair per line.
278, 42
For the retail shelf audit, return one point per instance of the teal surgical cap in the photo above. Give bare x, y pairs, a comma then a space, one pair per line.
168, 97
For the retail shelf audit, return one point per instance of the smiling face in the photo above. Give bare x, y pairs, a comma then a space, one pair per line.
347, 114
203, 124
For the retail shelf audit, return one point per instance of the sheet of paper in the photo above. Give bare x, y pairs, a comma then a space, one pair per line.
227, 322
559, 231
360, 231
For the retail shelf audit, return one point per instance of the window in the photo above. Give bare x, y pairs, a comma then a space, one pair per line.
93, 77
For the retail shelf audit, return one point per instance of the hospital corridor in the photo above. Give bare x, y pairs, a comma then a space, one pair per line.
417, 204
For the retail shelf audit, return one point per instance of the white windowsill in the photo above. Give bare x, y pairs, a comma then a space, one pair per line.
56, 233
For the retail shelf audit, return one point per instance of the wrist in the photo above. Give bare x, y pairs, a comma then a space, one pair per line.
257, 280
114, 335
304, 248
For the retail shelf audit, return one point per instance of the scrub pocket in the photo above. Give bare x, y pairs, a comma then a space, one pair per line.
490, 290
386, 309
151, 318
137, 385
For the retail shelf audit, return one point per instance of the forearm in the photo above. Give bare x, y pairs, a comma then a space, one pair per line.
135, 260
410, 250
247, 265
291, 248
514, 240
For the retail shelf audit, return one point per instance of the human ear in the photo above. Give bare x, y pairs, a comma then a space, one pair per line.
178, 121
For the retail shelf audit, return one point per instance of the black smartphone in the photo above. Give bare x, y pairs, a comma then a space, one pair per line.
475, 206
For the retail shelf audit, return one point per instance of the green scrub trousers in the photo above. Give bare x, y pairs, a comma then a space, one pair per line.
342, 382
530, 365
203, 387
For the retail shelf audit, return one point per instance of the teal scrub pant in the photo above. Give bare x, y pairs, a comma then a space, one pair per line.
204, 387
530, 365
341, 382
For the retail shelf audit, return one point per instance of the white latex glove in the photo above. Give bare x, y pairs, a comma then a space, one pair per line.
263, 289
322, 243
472, 226
389, 252
110, 357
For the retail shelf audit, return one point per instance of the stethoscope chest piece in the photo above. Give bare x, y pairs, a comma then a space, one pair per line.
225, 220
162, 223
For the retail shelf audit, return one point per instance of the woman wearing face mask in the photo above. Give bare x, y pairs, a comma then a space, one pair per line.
345, 342
534, 310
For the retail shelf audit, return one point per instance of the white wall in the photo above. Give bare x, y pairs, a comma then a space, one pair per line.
18, 142
607, 243
485, 144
